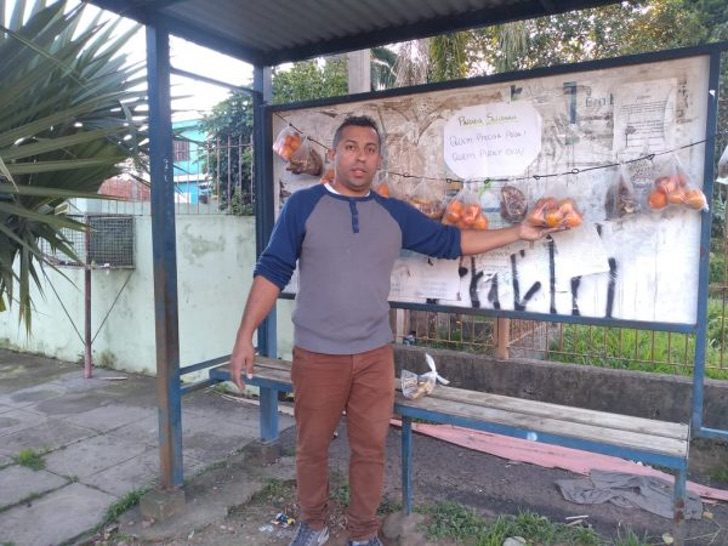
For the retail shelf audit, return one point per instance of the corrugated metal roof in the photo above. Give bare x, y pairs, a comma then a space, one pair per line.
271, 32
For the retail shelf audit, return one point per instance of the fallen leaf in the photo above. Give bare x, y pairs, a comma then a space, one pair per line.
667, 538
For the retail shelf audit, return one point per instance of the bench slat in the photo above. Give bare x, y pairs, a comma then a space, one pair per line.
643, 442
567, 413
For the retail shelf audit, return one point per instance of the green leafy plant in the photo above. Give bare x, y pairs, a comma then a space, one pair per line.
30, 459
71, 112
128, 501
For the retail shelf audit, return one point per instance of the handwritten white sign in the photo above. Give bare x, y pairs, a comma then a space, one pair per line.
499, 139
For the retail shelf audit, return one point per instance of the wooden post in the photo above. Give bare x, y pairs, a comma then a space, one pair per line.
503, 333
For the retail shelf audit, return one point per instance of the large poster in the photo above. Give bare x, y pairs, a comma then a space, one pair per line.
603, 138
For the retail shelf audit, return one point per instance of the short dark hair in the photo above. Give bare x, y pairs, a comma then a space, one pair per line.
356, 121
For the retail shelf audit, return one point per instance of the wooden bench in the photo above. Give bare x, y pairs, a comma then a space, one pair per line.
650, 441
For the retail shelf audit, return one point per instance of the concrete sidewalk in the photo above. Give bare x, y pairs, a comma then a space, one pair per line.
99, 439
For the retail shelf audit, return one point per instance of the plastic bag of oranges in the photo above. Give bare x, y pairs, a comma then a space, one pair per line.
464, 211
287, 142
675, 187
550, 212
382, 188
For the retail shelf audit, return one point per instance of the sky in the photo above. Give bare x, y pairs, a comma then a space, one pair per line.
195, 97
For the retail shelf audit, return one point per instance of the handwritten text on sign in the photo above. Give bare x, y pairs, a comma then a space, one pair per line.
499, 139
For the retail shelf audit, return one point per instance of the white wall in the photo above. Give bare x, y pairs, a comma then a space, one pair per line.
215, 260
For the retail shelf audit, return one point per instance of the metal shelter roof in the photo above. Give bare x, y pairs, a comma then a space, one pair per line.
270, 32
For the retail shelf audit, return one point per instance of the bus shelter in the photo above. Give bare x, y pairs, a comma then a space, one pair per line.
271, 33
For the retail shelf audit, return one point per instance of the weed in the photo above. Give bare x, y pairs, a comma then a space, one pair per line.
720, 474
341, 494
629, 538
454, 521
128, 501
451, 520
272, 491
30, 459
388, 506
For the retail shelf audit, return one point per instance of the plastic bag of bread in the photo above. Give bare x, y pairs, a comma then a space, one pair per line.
429, 198
723, 168
464, 211
622, 199
287, 142
306, 160
513, 204
550, 212
416, 386
675, 187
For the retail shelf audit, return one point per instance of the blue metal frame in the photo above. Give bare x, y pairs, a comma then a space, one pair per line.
703, 280
264, 202
164, 253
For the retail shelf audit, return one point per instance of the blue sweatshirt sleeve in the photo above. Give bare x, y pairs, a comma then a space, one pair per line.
278, 260
422, 234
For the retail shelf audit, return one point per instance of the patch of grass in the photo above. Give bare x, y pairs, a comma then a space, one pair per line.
30, 459
389, 506
341, 494
448, 520
628, 537
642, 350
128, 501
720, 474
452, 520
272, 491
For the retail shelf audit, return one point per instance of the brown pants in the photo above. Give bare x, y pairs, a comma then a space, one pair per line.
325, 385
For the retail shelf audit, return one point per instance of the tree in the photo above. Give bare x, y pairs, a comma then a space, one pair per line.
69, 116
233, 119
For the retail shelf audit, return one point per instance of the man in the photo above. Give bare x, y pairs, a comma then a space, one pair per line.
346, 239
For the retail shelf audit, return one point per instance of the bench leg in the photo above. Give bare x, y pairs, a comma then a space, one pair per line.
679, 499
268, 415
407, 464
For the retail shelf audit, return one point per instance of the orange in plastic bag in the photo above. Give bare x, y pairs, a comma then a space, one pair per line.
674, 187
551, 213
464, 212
287, 142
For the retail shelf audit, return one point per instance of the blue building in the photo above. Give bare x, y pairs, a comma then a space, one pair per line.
191, 185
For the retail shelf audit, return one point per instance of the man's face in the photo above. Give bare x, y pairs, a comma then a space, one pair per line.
356, 160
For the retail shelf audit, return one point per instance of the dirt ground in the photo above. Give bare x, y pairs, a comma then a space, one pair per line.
442, 472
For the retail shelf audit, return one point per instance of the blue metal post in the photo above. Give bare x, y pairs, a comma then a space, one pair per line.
679, 499
407, 464
164, 258
264, 220
703, 279
264, 198
268, 415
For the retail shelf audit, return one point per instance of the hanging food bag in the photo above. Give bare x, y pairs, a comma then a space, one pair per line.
306, 160
551, 213
464, 211
675, 187
723, 167
382, 188
429, 198
513, 205
623, 197
287, 142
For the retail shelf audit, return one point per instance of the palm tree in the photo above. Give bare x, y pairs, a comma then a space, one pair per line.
69, 116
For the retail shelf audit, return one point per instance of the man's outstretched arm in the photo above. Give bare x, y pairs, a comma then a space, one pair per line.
473, 241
